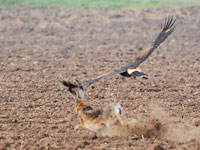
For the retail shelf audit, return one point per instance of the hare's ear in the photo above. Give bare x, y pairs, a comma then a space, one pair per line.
75, 94
81, 93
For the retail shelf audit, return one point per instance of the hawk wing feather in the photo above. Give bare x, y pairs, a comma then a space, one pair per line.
141, 57
144, 54
106, 75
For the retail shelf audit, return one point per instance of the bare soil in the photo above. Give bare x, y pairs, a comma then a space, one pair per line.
40, 47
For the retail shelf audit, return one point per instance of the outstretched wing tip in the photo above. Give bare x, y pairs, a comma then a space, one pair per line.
169, 24
168, 28
69, 85
65, 83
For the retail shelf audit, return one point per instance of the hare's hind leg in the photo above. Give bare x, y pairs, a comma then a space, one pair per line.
122, 120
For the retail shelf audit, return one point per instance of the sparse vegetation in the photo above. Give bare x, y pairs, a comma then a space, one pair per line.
100, 3
37, 93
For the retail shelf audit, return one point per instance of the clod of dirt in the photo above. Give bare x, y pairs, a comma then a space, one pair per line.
83, 144
92, 136
149, 128
158, 147
197, 123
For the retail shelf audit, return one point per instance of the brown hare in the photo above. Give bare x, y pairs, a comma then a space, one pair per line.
95, 119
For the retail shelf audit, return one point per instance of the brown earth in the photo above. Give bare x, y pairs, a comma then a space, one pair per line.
40, 47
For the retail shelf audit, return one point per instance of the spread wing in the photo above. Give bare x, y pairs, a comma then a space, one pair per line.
105, 75
142, 56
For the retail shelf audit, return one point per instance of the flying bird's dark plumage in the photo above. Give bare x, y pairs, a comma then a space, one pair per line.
131, 70
73, 89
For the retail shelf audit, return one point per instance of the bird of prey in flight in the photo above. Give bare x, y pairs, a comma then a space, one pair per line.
131, 69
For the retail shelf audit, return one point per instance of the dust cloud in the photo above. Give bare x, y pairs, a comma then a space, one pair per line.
157, 125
